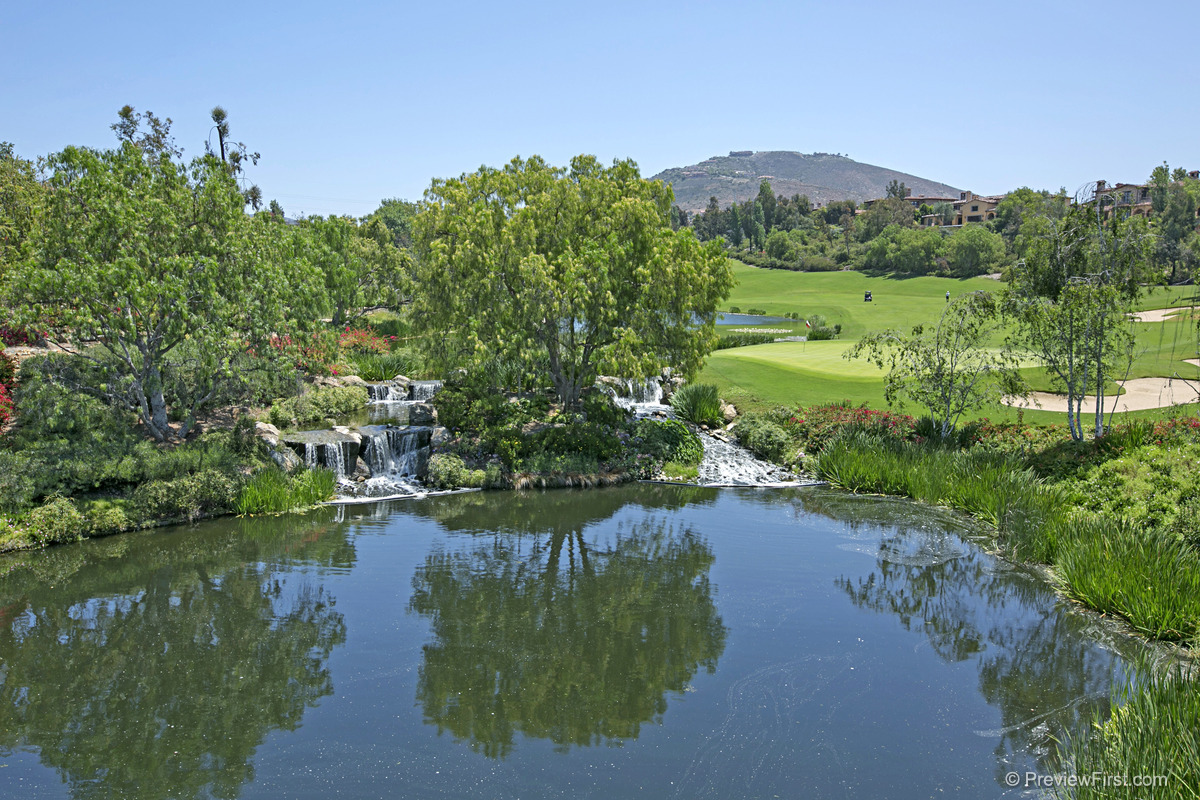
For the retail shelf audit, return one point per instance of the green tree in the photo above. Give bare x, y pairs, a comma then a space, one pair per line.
766, 199
20, 197
360, 265
949, 369
156, 262
154, 139
735, 226
944, 211
398, 216
974, 250
758, 239
579, 267
896, 190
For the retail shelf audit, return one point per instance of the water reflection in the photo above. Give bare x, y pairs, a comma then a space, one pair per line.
970, 606
555, 637
165, 661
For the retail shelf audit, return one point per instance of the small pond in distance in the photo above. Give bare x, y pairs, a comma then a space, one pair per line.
641, 641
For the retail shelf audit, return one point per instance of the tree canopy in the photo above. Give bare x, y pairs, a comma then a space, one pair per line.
155, 261
575, 267
359, 262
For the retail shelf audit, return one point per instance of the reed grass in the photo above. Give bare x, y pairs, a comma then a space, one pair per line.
698, 403
1148, 576
382, 366
1153, 736
271, 491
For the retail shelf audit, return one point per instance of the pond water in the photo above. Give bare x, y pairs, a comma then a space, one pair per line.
729, 318
640, 641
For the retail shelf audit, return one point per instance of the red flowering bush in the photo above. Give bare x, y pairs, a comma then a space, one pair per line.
6, 405
15, 335
363, 341
814, 426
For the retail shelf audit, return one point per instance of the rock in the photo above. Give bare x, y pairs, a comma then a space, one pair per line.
355, 435
620, 387
287, 460
422, 414
353, 380
728, 412
361, 470
326, 381
729, 427
440, 436
267, 432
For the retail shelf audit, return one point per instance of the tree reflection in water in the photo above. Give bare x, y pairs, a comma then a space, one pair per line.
558, 638
971, 606
171, 658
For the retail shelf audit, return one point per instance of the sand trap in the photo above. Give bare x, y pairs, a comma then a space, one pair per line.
1140, 394
1158, 314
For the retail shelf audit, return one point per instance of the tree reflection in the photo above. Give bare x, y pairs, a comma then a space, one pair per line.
560, 639
1035, 664
159, 674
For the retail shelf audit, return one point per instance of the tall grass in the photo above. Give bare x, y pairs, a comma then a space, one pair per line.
383, 366
272, 491
1154, 732
1027, 514
698, 403
1149, 577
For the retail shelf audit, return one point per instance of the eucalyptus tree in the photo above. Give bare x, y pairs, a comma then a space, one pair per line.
578, 267
149, 269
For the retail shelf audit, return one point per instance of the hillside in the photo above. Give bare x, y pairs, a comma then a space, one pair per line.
824, 177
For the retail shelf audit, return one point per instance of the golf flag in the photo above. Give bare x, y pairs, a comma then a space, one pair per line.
807, 324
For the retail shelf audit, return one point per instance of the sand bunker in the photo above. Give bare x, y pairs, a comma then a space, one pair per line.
1140, 394
1159, 314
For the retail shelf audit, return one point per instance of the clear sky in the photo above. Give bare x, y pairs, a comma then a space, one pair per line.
351, 103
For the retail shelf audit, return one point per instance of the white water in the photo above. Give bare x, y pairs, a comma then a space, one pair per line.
393, 456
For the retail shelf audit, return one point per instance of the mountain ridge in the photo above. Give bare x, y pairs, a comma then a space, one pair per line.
824, 177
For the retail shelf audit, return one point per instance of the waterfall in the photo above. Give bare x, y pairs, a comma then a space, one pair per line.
392, 451
384, 393
423, 391
643, 397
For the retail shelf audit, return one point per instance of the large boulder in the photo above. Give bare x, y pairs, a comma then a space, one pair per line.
267, 432
422, 414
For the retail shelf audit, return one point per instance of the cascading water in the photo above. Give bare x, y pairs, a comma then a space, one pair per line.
642, 397
423, 391
394, 456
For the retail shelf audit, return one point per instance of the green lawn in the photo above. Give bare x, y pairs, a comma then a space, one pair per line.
791, 373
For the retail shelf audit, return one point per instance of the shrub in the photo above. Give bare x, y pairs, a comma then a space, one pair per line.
57, 520
447, 471
763, 437
815, 426
363, 341
698, 403
382, 366
8, 369
587, 439
105, 518
668, 440
317, 404
729, 340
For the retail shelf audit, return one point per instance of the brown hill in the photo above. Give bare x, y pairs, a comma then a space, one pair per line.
824, 177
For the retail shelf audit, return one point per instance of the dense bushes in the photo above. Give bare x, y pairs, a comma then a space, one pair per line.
318, 404
815, 426
729, 340
764, 437
668, 440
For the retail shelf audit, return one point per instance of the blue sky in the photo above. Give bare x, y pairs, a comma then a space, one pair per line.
352, 104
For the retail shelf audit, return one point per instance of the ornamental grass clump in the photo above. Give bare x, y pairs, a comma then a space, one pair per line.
272, 491
1153, 736
698, 403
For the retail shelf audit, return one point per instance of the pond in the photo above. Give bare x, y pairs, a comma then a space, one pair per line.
639, 641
